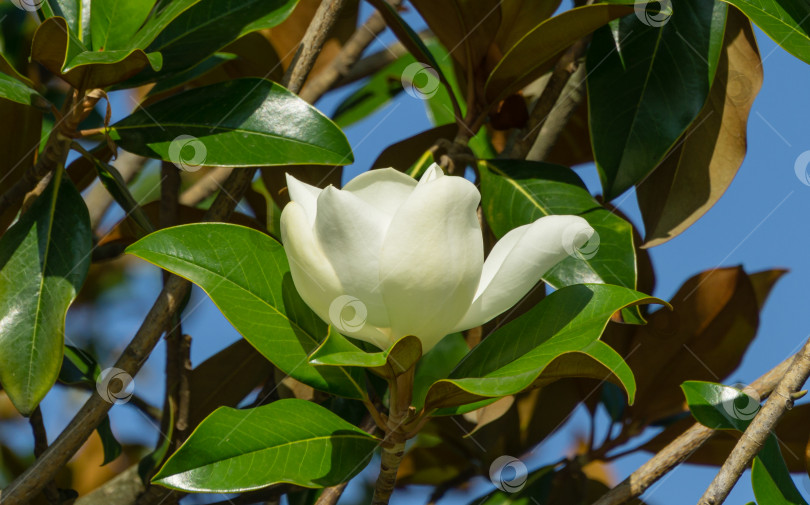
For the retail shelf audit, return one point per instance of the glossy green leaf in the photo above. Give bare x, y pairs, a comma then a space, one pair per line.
75, 12
44, 259
787, 22
207, 27
771, 479
722, 407
538, 50
515, 193
243, 122
291, 441
336, 350
646, 84
557, 338
113, 23
63, 54
437, 364
246, 274
16, 91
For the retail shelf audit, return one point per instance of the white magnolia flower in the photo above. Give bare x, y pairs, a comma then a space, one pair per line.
408, 257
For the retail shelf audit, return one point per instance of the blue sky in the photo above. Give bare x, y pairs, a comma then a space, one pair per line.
759, 223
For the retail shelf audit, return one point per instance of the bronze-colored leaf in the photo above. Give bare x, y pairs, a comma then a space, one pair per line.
217, 382
519, 17
573, 147
696, 173
19, 143
714, 319
465, 27
403, 154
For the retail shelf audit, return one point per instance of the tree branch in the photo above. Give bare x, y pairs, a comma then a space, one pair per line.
205, 187
679, 450
348, 56
759, 430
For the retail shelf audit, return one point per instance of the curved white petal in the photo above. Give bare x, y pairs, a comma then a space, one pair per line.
432, 173
351, 232
431, 259
518, 261
313, 275
304, 195
385, 189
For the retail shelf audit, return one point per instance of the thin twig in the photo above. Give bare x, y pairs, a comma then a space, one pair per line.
205, 187
679, 450
759, 430
567, 65
40, 445
311, 45
351, 51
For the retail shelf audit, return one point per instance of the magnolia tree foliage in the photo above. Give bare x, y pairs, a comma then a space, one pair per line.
466, 282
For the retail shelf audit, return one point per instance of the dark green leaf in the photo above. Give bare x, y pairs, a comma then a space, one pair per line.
437, 364
207, 27
244, 122
44, 259
646, 85
78, 367
117, 187
246, 274
16, 91
557, 338
113, 23
291, 440
787, 22
109, 444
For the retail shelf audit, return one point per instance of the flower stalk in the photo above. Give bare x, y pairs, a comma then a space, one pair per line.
393, 445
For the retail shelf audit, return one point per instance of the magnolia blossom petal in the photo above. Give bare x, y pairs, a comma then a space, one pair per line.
385, 189
431, 259
432, 173
518, 261
351, 233
313, 275
304, 195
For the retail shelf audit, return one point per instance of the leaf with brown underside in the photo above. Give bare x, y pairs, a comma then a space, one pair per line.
465, 27
19, 140
792, 432
403, 154
573, 147
126, 231
216, 382
696, 173
715, 318
519, 17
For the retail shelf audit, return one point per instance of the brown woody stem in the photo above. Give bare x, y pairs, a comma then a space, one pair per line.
393, 446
